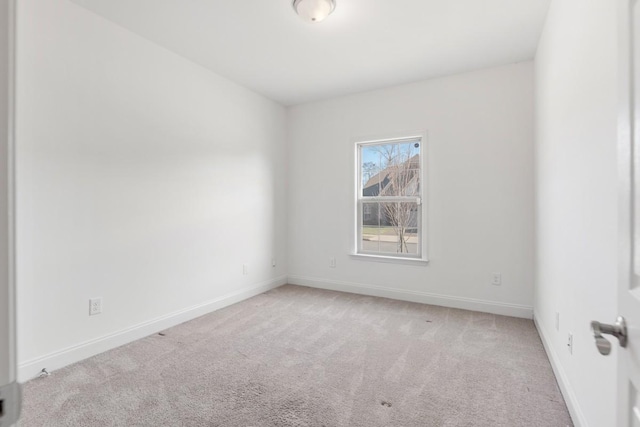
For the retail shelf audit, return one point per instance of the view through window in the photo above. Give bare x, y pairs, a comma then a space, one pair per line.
390, 198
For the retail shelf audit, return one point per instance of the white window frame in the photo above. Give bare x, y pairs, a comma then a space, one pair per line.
420, 199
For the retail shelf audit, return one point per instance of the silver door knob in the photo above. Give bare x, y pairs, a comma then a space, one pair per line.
618, 330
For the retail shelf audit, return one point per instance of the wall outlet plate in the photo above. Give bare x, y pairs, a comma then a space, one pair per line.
95, 306
245, 269
332, 262
557, 320
496, 279
570, 343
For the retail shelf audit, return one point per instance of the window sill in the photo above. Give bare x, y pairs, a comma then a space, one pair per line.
389, 259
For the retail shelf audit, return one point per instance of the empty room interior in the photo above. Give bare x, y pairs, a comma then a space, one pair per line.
319, 213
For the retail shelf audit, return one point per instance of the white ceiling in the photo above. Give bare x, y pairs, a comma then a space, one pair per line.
363, 45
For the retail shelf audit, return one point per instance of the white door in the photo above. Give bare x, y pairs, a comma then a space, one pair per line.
629, 195
9, 390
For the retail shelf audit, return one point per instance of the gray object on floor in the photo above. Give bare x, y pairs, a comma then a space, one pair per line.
298, 356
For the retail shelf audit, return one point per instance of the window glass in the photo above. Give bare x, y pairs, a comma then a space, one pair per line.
389, 202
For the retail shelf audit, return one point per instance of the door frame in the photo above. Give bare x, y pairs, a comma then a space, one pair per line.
628, 167
9, 389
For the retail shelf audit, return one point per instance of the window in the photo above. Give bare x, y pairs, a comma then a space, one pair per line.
389, 212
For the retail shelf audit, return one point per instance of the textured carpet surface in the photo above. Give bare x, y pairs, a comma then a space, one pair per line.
297, 356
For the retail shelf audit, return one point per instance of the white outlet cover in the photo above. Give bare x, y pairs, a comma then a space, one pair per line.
496, 279
95, 306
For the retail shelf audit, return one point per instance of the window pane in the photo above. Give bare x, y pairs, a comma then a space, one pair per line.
391, 169
390, 228
370, 223
370, 167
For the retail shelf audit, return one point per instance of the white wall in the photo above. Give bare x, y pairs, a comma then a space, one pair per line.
480, 189
576, 199
142, 178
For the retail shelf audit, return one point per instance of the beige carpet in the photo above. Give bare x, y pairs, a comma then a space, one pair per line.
297, 356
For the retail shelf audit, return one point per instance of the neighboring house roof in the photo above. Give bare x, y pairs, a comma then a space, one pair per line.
379, 184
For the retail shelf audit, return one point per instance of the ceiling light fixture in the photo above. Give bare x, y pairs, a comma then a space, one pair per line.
314, 10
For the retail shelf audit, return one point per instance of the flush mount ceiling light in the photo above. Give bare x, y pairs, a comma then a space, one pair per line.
314, 10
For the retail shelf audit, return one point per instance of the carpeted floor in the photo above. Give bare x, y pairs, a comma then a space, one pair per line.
297, 356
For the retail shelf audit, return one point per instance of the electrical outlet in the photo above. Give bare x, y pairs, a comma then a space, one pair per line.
245, 269
557, 321
496, 279
332, 262
570, 343
273, 262
95, 306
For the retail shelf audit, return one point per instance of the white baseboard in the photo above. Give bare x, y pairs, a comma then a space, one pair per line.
61, 358
493, 307
563, 382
